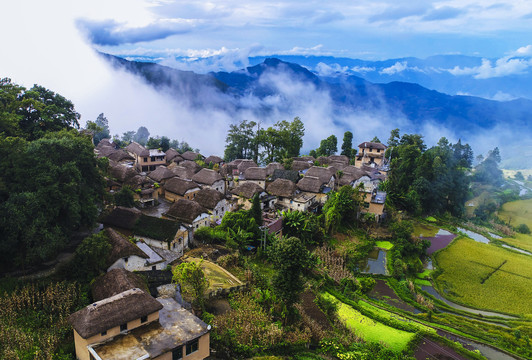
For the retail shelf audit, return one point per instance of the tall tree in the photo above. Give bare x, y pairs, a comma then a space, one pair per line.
100, 128
328, 146
142, 135
347, 145
241, 141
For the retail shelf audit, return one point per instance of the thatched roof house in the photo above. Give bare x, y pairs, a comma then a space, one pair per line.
213, 159
182, 172
180, 186
245, 164
171, 154
185, 211
112, 312
121, 172
299, 165
310, 184
282, 188
121, 247
322, 160
122, 217
255, 173
324, 174
306, 158
372, 145
114, 282
139, 182
271, 167
190, 165
190, 155
206, 177
339, 159
291, 175
208, 198
227, 170
161, 174
120, 155
247, 190
137, 149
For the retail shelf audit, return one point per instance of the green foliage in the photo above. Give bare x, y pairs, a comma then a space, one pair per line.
210, 235
241, 141
142, 135
59, 173
305, 225
327, 147
192, 279
125, 197
256, 211
347, 145
341, 207
366, 284
90, 258
100, 128
523, 229
156, 228
488, 172
291, 259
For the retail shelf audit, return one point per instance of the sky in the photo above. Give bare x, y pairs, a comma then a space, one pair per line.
53, 43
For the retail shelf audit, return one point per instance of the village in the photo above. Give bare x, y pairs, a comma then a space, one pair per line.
177, 197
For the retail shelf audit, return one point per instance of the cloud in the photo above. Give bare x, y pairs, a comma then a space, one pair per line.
523, 51
362, 69
502, 67
110, 32
401, 12
332, 69
395, 68
325, 17
443, 13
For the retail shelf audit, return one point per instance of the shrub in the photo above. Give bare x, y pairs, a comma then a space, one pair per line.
523, 229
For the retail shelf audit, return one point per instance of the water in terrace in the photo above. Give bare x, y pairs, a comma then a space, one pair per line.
375, 263
475, 236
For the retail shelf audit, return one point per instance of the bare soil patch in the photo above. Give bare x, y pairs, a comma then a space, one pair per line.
383, 292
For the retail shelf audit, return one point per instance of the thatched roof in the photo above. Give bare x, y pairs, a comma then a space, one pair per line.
372, 145
310, 184
208, 198
324, 174
122, 217
236, 162
137, 149
120, 155
190, 165
190, 155
337, 165
353, 170
245, 164
180, 171
305, 158
206, 177
339, 158
282, 187
106, 151
171, 154
322, 160
121, 172
139, 181
114, 282
185, 211
121, 247
298, 165
114, 311
213, 159
255, 173
291, 175
105, 143
161, 173
271, 167
180, 186
227, 170
247, 190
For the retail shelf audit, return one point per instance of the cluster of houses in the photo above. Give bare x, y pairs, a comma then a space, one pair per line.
126, 322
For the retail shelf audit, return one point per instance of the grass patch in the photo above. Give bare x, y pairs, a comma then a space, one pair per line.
370, 330
521, 241
384, 245
218, 277
425, 230
425, 274
431, 219
517, 212
485, 276
422, 282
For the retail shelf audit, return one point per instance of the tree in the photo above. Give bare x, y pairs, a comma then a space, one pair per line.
347, 145
342, 207
291, 259
142, 135
192, 279
256, 211
241, 141
125, 197
375, 140
90, 258
153, 143
164, 143
128, 136
328, 146
103, 123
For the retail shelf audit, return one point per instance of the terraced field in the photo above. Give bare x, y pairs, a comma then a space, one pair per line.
522, 241
517, 212
486, 276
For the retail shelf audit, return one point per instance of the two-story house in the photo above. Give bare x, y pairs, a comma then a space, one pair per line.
146, 160
207, 178
134, 325
370, 154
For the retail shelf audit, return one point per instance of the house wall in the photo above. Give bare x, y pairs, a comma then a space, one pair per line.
202, 353
178, 244
200, 221
218, 186
173, 197
82, 353
261, 183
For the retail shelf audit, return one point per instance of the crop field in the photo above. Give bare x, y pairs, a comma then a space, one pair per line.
218, 277
486, 276
517, 212
522, 241
371, 330
425, 230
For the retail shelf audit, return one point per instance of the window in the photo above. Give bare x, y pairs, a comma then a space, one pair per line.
143, 319
192, 346
366, 205
103, 333
378, 150
126, 259
153, 268
145, 159
177, 353
123, 327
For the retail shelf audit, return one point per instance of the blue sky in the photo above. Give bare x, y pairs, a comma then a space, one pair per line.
52, 43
